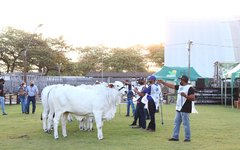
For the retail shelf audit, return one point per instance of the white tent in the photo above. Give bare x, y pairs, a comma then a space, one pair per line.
213, 40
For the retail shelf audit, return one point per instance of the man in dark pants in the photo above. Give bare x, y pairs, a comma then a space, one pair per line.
139, 111
153, 95
32, 92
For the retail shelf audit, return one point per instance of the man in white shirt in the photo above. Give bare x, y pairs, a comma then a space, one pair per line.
184, 107
32, 92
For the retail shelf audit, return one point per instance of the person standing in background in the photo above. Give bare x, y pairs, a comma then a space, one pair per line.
2, 81
32, 92
22, 96
130, 95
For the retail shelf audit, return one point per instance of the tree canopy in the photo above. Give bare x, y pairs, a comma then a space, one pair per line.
49, 55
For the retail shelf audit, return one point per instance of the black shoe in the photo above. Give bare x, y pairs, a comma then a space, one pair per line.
136, 127
150, 130
172, 139
4, 113
127, 115
187, 140
133, 124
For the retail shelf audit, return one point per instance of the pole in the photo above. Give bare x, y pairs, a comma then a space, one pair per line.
25, 54
161, 102
189, 56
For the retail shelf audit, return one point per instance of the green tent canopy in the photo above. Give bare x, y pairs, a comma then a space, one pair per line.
234, 76
173, 73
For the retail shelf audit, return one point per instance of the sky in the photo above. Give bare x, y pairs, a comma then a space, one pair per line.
113, 23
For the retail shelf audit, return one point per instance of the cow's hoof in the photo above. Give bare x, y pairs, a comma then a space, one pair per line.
64, 136
48, 131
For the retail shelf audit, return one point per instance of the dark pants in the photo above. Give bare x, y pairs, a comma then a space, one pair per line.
146, 113
152, 110
33, 100
140, 115
136, 114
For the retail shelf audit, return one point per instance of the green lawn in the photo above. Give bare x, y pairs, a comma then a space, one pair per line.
214, 128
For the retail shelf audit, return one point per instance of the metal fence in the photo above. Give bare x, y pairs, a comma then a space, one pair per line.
12, 81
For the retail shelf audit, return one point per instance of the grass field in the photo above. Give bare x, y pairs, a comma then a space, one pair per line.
214, 128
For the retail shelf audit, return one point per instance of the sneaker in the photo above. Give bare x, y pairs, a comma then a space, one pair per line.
4, 113
187, 140
172, 139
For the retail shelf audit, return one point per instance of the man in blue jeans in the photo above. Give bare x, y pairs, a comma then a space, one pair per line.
130, 95
2, 96
22, 96
32, 92
184, 106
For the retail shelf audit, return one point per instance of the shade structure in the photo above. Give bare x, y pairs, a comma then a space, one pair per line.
173, 73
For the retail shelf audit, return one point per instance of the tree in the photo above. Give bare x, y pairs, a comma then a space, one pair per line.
50, 55
12, 47
41, 54
91, 58
156, 54
125, 60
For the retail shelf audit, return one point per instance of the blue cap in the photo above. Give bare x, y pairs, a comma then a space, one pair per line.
152, 78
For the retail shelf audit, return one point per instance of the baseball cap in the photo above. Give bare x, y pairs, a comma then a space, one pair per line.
184, 77
141, 79
152, 78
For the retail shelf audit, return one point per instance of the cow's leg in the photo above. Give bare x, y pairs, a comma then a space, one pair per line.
49, 122
85, 124
56, 122
69, 117
64, 124
90, 121
98, 119
44, 120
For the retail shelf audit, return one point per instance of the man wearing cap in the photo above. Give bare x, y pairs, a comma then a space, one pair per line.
152, 96
140, 110
2, 96
32, 92
184, 106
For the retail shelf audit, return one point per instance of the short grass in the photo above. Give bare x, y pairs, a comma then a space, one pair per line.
214, 128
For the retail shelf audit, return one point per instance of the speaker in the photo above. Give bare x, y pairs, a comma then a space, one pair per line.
200, 83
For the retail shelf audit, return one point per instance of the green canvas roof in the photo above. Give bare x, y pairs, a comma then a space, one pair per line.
173, 73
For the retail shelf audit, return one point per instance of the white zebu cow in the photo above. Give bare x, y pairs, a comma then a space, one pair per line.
46, 109
100, 102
